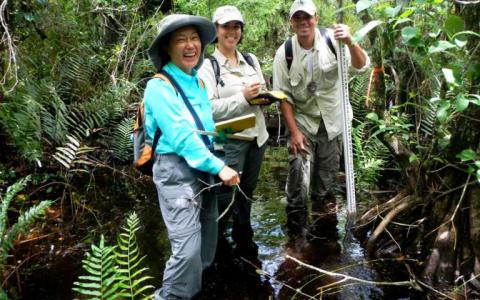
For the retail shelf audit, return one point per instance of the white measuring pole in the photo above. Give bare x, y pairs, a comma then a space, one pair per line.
347, 126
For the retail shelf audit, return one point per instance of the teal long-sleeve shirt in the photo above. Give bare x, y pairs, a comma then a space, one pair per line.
164, 108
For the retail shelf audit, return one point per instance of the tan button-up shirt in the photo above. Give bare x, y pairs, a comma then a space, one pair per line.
228, 100
325, 103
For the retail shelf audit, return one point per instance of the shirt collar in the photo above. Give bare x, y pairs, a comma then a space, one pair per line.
222, 60
317, 44
318, 38
178, 73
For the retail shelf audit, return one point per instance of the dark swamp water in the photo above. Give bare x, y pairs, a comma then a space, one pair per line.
283, 278
274, 277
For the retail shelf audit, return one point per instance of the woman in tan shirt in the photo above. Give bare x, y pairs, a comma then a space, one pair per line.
239, 80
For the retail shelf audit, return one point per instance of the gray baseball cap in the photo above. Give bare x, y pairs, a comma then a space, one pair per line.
303, 5
157, 51
227, 13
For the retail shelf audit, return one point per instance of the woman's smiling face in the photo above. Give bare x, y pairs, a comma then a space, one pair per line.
185, 48
229, 34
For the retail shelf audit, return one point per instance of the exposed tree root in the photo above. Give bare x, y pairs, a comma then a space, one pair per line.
373, 213
404, 203
441, 260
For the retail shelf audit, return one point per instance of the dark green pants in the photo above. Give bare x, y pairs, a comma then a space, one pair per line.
244, 157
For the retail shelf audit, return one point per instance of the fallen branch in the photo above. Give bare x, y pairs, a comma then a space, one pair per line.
373, 213
406, 203
348, 277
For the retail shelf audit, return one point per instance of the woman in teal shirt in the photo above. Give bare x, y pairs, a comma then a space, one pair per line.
182, 157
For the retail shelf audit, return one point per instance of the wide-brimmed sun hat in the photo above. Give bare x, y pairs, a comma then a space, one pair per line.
227, 13
157, 51
303, 5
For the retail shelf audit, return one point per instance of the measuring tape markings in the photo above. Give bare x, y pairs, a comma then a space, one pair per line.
347, 130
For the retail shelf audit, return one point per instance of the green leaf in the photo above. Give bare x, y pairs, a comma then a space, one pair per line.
401, 21
440, 46
460, 43
467, 32
442, 113
475, 99
449, 77
461, 103
407, 13
392, 12
467, 155
372, 116
478, 176
413, 158
360, 34
409, 33
453, 24
364, 4
477, 163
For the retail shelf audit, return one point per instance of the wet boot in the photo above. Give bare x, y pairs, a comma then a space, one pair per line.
324, 219
246, 249
297, 222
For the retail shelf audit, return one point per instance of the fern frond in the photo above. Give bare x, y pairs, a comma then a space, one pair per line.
53, 116
73, 154
121, 142
24, 222
132, 277
20, 119
370, 156
357, 90
102, 280
12, 191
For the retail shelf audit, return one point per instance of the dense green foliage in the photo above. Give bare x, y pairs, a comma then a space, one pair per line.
73, 71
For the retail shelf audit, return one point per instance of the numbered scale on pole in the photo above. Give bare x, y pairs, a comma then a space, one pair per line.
347, 130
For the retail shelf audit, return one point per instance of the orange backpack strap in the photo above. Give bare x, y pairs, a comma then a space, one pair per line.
201, 83
164, 78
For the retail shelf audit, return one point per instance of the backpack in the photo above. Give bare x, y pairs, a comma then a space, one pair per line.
216, 67
143, 145
289, 51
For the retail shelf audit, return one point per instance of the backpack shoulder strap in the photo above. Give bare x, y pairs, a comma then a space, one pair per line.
216, 70
324, 33
189, 106
163, 77
201, 83
289, 53
248, 58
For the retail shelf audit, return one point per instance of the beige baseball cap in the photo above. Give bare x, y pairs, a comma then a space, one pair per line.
303, 5
227, 13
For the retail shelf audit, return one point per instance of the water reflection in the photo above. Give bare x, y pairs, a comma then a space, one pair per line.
276, 277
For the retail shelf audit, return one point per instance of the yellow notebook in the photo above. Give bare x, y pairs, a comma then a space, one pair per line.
237, 124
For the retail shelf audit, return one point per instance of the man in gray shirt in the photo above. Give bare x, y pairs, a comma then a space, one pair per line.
313, 114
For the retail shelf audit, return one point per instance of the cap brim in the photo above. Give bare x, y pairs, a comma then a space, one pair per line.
206, 31
307, 11
226, 20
